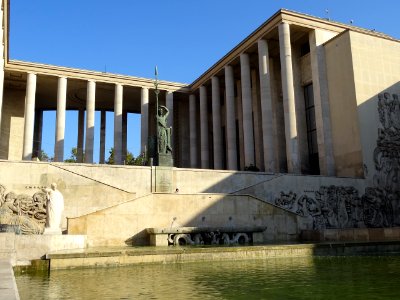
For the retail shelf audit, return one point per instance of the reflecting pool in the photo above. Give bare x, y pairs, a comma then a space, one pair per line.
282, 278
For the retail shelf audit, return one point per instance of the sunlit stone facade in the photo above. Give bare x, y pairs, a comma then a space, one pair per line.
298, 95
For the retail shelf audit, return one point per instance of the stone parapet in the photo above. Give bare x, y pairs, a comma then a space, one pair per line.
352, 234
103, 257
8, 285
21, 249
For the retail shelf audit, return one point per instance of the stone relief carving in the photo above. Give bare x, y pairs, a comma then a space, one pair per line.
28, 213
384, 196
387, 152
379, 206
286, 200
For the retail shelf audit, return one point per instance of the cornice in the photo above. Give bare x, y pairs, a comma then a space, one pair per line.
104, 77
282, 15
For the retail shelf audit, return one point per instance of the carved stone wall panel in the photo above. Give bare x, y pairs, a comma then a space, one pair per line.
27, 213
342, 206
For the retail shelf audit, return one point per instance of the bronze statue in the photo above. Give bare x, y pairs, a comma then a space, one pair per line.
164, 132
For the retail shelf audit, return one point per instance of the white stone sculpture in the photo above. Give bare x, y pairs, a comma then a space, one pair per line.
55, 208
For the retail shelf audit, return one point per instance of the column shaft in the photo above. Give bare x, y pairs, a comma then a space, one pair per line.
60, 119
144, 121
37, 134
321, 101
266, 106
124, 136
240, 138
193, 131
90, 113
29, 116
231, 147
278, 119
292, 148
217, 130
256, 108
1, 86
118, 103
81, 128
103, 120
248, 134
204, 151
183, 133
1, 67
169, 101
301, 124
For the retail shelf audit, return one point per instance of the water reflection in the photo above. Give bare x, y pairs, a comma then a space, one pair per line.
283, 278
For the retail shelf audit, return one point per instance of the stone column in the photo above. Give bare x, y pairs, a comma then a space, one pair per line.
29, 116
217, 130
183, 133
1, 86
37, 134
60, 119
231, 147
1, 67
239, 112
90, 113
278, 117
256, 108
248, 135
204, 152
292, 146
124, 136
301, 124
266, 106
169, 103
193, 131
79, 144
118, 102
144, 121
103, 117
321, 101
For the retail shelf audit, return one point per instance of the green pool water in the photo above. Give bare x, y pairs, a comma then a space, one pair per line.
376, 277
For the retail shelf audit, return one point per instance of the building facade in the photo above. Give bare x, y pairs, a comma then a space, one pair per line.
299, 95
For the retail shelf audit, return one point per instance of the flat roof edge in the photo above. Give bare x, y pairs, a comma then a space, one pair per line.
75, 73
264, 29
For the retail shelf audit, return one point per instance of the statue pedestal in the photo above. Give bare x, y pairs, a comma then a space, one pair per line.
49, 230
163, 180
165, 160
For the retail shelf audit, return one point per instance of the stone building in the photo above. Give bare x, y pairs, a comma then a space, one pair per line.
298, 95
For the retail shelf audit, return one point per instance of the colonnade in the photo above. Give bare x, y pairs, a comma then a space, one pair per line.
247, 128
86, 127
253, 107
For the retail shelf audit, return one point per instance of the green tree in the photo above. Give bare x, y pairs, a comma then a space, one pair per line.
74, 156
110, 159
129, 160
43, 156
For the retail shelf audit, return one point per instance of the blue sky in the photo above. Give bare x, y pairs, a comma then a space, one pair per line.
183, 37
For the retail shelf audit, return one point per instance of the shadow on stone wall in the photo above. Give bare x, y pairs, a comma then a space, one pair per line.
378, 206
268, 199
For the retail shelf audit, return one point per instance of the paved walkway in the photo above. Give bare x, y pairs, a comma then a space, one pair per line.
8, 286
